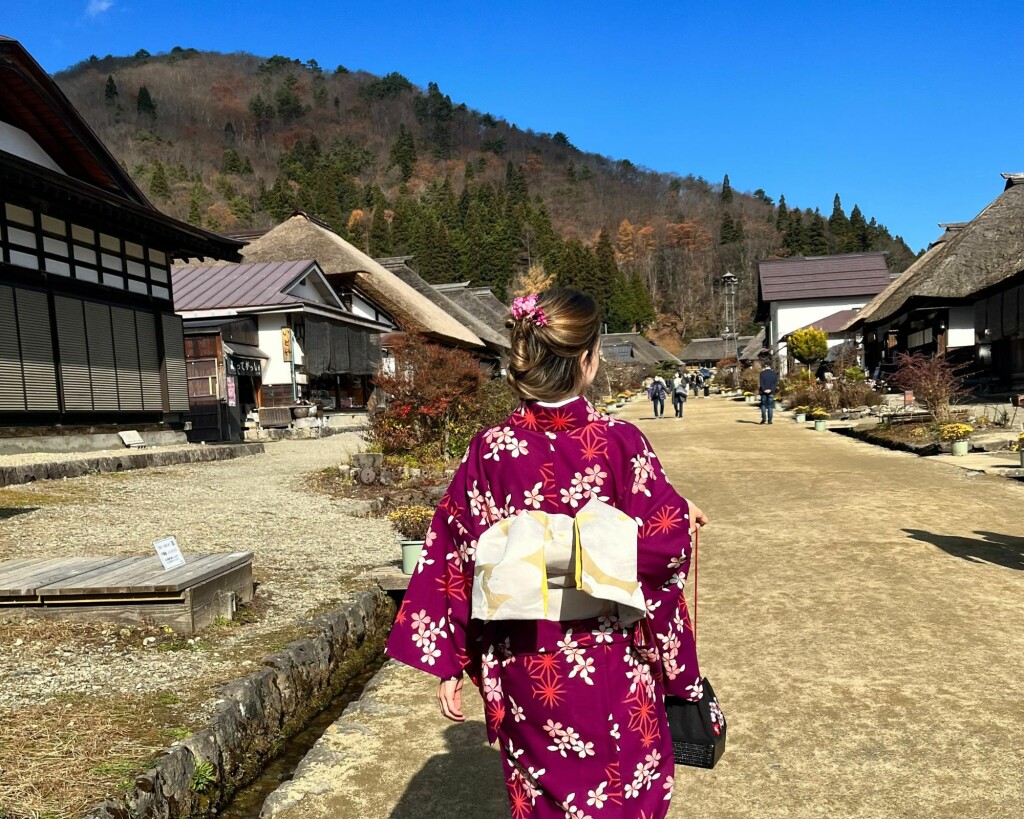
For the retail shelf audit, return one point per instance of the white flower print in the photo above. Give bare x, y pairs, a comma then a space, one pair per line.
696, 689
516, 710
669, 783
534, 497
597, 797
572, 496
424, 560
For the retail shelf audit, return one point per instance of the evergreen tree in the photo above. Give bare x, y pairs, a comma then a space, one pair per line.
158, 185
731, 231
231, 162
856, 239
289, 105
403, 154
144, 103
726, 196
229, 133
782, 219
195, 216
795, 240
262, 111
838, 224
817, 241
644, 313
110, 92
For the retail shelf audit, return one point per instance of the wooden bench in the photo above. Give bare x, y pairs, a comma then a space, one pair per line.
127, 589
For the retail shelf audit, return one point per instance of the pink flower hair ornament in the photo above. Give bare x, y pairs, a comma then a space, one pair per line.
524, 308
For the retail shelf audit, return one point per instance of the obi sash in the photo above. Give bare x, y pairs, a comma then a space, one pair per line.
536, 566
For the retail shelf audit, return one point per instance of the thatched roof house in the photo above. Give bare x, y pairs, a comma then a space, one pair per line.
399, 265
968, 259
481, 302
709, 351
304, 237
633, 348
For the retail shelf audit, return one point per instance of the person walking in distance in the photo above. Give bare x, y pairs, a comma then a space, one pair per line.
678, 394
553, 576
657, 392
768, 383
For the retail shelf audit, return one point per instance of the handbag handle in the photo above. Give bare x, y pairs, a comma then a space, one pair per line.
696, 542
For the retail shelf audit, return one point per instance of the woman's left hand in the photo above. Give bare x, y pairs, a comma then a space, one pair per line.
449, 697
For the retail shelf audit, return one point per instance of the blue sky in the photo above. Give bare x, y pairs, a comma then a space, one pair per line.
910, 109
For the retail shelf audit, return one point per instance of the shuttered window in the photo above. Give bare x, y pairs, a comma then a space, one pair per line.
37, 351
126, 358
74, 355
149, 362
174, 363
101, 356
12, 387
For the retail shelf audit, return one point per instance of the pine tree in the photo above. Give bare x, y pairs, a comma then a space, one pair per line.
856, 239
795, 240
289, 105
731, 231
158, 185
195, 216
726, 196
144, 103
110, 92
644, 313
782, 219
838, 224
817, 241
403, 153
229, 133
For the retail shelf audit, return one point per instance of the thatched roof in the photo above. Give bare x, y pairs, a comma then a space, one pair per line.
644, 351
400, 267
753, 349
709, 349
302, 237
481, 302
967, 260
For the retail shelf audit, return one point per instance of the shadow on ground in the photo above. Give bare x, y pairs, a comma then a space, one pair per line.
12, 511
468, 774
990, 547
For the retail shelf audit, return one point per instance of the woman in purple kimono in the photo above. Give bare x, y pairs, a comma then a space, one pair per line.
553, 576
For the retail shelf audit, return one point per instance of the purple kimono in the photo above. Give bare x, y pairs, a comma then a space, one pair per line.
575, 705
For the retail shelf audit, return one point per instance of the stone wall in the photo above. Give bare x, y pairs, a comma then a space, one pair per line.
256, 714
77, 467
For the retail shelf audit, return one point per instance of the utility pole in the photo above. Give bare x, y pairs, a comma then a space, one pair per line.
729, 331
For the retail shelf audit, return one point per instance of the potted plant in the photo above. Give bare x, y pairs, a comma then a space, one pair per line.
958, 435
1020, 448
412, 523
819, 415
800, 413
748, 396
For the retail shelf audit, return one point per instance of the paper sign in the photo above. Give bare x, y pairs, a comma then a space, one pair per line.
169, 553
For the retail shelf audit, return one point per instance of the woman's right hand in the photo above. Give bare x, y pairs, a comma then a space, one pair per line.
449, 697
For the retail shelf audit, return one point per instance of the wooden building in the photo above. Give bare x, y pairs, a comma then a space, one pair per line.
963, 298
274, 334
88, 333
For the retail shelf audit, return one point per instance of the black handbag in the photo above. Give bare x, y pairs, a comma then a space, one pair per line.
697, 728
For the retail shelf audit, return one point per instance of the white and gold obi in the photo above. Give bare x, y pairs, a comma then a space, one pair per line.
537, 566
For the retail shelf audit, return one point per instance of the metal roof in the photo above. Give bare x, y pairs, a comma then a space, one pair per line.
259, 284
834, 323
823, 277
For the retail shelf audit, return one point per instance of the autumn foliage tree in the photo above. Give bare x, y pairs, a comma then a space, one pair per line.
936, 383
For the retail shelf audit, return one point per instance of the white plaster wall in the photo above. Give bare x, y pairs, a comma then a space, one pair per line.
276, 371
17, 142
787, 316
362, 308
961, 327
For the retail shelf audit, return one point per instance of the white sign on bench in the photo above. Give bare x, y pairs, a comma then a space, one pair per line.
131, 439
169, 553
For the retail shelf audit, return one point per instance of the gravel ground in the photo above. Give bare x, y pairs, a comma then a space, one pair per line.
23, 458
305, 550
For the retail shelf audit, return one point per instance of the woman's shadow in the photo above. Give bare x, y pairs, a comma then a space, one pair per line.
465, 781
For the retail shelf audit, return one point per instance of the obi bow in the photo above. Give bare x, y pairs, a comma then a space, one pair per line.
538, 566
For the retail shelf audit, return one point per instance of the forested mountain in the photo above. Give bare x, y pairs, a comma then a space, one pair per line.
236, 142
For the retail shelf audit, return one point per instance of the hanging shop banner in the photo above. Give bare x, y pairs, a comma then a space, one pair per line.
232, 391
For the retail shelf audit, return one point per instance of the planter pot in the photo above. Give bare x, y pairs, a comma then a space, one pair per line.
800, 417
960, 447
411, 550
819, 426
1021, 453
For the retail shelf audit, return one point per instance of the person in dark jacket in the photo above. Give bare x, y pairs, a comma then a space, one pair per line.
657, 393
768, 383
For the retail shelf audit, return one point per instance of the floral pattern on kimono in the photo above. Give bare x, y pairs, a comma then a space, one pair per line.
576, 707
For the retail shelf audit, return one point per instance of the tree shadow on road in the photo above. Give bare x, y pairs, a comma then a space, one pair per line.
990, 547
466, 781
12, 511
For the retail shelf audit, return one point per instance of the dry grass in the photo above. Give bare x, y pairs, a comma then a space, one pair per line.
59, 758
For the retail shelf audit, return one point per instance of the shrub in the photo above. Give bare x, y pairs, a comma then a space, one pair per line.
431, 387
808, 345
820, 414
936, 383
412, 522
493, 403
749, 379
